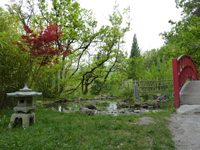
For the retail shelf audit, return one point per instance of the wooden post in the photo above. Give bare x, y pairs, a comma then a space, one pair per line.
136, 93
176, 83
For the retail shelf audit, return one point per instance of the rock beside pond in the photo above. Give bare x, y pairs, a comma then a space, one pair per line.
89, 106
163, 98
80, 98
88, 109
138, 105
97, 98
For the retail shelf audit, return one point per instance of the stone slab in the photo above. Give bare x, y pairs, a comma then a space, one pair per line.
190, 93
188, 109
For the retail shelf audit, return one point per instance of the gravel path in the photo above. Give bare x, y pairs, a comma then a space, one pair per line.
185, 127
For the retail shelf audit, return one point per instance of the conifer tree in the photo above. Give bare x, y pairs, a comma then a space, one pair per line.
135, 52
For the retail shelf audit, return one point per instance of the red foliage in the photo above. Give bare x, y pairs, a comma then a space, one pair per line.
42, 44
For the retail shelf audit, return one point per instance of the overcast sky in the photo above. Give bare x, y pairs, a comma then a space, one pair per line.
149, 18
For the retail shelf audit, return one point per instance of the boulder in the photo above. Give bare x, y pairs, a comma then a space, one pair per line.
155, 96
108, 97
88, 105
163, 97
102, 98
137, 105
80, 99
158, 95
121, 105
87, 111
156, 105
144, 106
127, 106
96, 98
127, 113
69, 100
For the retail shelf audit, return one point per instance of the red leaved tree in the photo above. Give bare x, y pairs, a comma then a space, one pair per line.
41, 46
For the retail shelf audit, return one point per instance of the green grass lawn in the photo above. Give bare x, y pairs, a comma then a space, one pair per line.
58, 130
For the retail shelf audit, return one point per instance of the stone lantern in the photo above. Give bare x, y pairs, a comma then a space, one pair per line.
25, 106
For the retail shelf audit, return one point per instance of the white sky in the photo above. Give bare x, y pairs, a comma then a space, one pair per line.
149, 18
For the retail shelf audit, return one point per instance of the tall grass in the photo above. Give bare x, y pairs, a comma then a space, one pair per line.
58, 130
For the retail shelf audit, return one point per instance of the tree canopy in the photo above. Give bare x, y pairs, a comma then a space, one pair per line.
184, 35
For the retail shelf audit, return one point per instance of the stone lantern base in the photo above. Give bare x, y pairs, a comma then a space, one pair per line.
27, 119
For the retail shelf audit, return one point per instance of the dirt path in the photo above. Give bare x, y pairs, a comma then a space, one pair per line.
185, 127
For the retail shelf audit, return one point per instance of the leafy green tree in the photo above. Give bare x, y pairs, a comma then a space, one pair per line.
191, 7
150, 57
13, 64
47, 81
80, 33
152, 72
166, 71
77, 25
110, 49
184, 35
139, 69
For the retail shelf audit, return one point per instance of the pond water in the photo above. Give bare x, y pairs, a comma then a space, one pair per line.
106, 107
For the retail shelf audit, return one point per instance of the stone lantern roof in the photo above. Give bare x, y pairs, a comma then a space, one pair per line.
25, 92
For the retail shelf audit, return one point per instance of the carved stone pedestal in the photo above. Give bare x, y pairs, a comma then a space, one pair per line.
27, 119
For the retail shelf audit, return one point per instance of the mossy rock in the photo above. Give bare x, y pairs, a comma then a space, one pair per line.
89, 106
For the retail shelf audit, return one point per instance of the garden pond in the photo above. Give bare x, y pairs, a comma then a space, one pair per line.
105, 107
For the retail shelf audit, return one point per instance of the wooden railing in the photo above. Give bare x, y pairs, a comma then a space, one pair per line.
149, 85
183, 68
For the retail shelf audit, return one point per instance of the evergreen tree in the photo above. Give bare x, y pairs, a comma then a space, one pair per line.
135, 50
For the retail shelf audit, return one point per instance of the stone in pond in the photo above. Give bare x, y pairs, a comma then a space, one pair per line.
88, 109
89, 106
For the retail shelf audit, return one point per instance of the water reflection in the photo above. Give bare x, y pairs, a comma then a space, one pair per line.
60, 108
110, 106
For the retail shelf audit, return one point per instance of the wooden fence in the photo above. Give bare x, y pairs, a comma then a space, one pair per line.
149, 85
